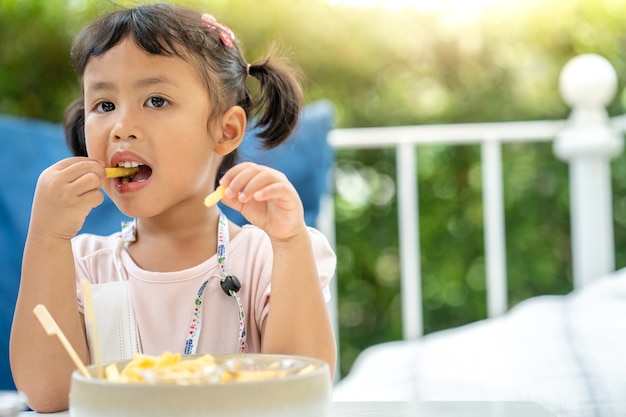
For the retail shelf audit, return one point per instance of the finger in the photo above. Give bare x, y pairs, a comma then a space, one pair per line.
67, 162
236, 170
80, 162
232, 202
238, 181
82, 166
247, 183
70, 179
255, 185
93, 198
239, 175
279, 191
86, 183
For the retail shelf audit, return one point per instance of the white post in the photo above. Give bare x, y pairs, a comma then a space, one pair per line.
587, 84
408, 230
495, 236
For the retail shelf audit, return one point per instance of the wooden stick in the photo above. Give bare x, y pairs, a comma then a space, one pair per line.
52, 328
90, 318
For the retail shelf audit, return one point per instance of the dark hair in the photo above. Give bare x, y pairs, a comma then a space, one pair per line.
169, 30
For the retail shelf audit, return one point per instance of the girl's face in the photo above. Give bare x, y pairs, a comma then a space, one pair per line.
153, 111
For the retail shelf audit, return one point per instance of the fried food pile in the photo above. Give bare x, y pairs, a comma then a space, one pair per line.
170, 368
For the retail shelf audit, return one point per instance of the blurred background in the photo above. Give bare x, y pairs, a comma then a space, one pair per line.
392, 63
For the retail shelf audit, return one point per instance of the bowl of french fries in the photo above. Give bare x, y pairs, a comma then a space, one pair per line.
237, 385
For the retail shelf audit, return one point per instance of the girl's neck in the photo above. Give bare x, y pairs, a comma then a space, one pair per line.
166, 245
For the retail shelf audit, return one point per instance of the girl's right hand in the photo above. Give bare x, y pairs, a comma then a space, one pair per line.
66, 192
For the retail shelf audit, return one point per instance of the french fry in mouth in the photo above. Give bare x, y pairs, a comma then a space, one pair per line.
120, 172
215, 196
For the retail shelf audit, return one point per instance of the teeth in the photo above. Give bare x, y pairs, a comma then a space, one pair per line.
128, 164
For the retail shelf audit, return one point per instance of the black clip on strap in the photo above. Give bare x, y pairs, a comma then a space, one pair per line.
230, 283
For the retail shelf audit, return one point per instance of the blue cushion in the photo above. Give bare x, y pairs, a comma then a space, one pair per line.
30, 146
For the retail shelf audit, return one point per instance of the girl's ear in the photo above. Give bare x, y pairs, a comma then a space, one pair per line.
233, 129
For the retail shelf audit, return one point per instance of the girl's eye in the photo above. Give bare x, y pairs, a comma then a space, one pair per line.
105, 107
156, 102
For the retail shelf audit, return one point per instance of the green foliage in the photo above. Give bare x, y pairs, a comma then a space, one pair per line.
384, 68
36, 79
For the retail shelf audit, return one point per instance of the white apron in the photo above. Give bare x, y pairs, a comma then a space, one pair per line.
118, 334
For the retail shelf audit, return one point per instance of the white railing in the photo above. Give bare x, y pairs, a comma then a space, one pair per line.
588, 141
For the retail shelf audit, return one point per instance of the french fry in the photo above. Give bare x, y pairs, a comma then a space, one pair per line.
167, 368
111, 373
120, 172
215, 196
172, 368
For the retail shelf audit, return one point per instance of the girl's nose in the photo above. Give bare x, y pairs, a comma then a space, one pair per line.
126, 126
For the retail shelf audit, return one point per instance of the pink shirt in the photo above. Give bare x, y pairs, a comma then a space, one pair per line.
163, 302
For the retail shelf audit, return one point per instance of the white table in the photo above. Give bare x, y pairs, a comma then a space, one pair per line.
418, 409
439, 409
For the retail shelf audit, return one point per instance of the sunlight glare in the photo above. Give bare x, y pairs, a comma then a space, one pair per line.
465, 8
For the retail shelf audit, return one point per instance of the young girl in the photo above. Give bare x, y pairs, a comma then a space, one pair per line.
164, 90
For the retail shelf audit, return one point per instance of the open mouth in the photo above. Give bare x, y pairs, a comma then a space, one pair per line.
141, 174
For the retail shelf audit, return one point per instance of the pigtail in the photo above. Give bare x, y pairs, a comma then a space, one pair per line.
74, 127
278, 100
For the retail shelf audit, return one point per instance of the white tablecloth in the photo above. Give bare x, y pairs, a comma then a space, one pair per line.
421, 409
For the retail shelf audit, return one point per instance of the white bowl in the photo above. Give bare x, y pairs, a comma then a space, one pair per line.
294, 394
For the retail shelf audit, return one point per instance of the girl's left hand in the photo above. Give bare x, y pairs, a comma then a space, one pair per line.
266, 198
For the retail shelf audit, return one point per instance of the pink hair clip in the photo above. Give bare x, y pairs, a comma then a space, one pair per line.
226, 35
